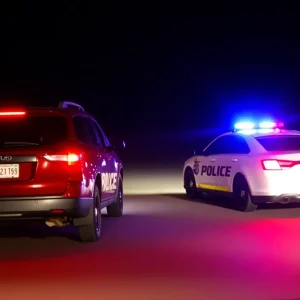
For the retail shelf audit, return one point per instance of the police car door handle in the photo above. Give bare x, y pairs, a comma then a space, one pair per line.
212, 159
234, 159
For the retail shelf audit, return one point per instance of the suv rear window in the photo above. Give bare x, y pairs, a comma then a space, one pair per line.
44, 130
280, 143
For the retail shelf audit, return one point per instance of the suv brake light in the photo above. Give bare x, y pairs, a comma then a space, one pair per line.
275, 164
70, 158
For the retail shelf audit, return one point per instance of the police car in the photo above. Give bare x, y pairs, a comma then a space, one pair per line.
57, 164
255, 163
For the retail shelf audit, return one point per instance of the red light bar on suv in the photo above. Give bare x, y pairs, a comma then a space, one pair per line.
12, 113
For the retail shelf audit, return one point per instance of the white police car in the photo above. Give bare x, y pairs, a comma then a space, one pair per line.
255, 163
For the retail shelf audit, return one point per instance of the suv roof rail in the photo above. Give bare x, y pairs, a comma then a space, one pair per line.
40, 107
69, 104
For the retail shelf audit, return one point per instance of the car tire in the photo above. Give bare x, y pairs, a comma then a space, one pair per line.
242, 196
116, 209
190, 185
92, 231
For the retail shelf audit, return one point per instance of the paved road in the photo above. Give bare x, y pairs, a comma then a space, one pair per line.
164, 247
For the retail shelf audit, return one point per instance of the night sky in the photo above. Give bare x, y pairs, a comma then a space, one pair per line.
152, 73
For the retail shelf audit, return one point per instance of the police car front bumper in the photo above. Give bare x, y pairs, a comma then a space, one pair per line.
43, 207
283, 199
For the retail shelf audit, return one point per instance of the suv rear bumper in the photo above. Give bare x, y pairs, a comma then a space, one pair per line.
40, 207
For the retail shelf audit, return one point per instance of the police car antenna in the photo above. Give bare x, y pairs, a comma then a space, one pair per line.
69, 104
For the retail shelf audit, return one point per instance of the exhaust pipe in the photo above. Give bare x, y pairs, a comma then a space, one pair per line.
57, 222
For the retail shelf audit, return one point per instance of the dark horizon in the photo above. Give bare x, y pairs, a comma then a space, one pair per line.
155, 80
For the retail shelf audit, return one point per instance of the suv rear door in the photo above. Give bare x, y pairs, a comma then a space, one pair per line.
95, 161
24, 142
110, 180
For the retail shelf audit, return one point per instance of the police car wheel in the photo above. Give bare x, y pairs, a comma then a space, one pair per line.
242, 196
92, 231
190, 185
116, 209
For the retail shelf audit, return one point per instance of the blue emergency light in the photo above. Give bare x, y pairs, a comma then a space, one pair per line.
252, 127
244, 125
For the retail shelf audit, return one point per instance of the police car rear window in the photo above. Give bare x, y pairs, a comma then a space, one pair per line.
280, 143
39, 130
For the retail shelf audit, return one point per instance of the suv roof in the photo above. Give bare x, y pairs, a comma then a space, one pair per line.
63, 108
61, 105
47, 123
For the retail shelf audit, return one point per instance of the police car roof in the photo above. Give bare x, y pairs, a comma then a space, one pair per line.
259, 134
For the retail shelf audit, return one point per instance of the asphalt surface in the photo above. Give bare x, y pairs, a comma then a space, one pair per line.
164, 247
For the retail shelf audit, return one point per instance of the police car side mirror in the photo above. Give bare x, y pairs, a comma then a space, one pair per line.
204, 153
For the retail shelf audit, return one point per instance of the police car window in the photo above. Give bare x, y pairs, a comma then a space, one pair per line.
280, 143
228, 144
219, 146
237, 145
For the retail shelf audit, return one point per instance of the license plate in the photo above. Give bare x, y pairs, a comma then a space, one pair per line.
9, 171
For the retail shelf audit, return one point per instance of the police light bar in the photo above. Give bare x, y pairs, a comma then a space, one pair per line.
261, 125
244, 125
271, 125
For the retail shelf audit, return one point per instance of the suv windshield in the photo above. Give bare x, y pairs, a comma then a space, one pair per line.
38, 130
280, 143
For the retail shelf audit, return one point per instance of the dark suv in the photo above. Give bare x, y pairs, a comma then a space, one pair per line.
58, 165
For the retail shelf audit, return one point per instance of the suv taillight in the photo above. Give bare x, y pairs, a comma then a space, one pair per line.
275, 164
70, 158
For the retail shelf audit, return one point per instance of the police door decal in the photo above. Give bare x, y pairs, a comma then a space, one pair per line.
109, 182
214, 177
216, 171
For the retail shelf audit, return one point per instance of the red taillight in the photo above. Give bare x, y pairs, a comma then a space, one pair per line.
57, 211
275, 164
12, 113
70, 158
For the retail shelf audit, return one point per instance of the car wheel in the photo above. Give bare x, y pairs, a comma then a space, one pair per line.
190, 185
116, 209
92, 231
242, 196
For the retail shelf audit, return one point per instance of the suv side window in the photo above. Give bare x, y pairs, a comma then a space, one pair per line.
84, 130
80, 130
107, 142
97, 133
104, 139
228, 144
